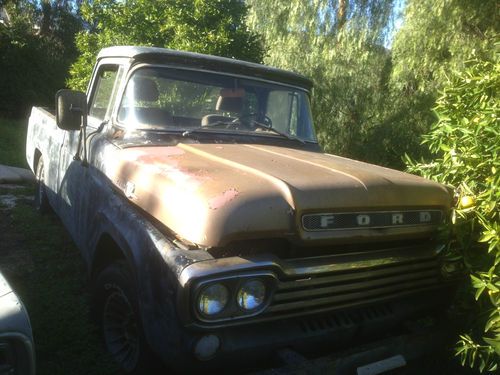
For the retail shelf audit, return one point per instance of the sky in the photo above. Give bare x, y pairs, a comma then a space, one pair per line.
399, 6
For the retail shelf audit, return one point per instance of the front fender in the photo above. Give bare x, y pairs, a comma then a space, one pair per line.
154, 260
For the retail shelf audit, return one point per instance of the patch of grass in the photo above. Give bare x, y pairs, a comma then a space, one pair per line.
46, 270
13, 142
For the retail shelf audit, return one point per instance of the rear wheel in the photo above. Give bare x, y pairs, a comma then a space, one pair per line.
42, 204
116, 308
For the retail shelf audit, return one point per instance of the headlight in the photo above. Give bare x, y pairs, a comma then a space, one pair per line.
230, 297
251, 295
213, 299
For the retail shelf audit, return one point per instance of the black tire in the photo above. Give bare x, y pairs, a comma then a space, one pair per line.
117, 312
42, 204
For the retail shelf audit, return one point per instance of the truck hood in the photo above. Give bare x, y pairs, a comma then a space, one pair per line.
211, 194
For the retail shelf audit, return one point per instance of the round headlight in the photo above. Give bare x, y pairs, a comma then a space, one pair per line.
251, 294
213, 299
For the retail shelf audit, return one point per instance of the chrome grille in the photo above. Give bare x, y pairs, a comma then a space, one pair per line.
332, 291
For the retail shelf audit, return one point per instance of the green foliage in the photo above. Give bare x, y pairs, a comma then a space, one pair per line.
215, 27
12, 142
33, 63
465, 146
371, 102
436, 38
339, 45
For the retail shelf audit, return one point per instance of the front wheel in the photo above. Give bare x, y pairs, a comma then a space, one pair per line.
116, 307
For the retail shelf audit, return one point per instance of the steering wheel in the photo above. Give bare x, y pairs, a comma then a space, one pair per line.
266, 119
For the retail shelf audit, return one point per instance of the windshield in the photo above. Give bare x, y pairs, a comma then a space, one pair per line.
177, 99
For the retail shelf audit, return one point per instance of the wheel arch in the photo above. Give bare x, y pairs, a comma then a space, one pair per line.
106, 252
36, 158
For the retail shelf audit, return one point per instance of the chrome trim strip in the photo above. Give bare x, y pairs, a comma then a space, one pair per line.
367, 226
350, 277
307, 266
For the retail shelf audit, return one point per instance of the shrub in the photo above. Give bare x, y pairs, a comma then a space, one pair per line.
465, 144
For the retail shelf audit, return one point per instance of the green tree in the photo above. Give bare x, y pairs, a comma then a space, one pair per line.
214, 27
340, 45
36, 50
371, 102
465, 153
436, 38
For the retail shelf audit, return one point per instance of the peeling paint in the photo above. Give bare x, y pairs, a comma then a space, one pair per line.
130, 190
222, 199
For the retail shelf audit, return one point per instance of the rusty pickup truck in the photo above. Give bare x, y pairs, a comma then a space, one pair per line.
215, 230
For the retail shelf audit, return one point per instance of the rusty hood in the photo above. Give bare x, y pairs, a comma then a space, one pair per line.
211, 194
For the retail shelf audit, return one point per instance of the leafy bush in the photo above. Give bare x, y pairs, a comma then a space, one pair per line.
465, 143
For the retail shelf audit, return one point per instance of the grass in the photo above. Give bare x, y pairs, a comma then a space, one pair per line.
12, 142
46, 270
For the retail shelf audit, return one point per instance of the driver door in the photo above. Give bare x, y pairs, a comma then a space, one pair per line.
74, 188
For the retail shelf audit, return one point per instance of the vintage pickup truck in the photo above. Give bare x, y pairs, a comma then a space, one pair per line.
215, 229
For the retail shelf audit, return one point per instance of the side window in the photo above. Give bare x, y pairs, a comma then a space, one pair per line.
103, 93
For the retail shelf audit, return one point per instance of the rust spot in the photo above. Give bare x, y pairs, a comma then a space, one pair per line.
222, 199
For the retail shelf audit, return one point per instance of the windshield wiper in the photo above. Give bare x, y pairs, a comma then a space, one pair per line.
212, 125
236, 123
276, 131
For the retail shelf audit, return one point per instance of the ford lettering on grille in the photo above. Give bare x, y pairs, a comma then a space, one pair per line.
360, 220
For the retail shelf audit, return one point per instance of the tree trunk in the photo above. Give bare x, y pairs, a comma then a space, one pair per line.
341, 13
46, 15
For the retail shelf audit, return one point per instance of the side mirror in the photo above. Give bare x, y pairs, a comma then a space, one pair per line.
71, 109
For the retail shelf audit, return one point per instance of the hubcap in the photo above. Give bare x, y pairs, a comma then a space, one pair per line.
120, 330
